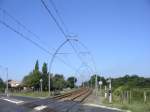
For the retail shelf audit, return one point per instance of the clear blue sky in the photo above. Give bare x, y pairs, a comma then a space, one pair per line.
117, 32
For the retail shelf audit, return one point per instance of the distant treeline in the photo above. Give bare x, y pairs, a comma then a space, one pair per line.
2, 85
32, 80
131, 82
126, 82
57, 81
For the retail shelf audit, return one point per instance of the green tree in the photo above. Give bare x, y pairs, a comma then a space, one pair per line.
130, 82
27, 80
45, 76
71, 82
93, 78
58, 82
36, 68
36, 76
33, 79
2, 85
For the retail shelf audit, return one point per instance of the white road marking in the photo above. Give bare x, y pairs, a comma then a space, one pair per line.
41, 107
101, 106
13, 101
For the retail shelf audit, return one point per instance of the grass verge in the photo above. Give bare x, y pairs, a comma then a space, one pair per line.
32, 94
37, 94
133, 107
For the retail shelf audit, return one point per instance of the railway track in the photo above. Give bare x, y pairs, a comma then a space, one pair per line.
61, 102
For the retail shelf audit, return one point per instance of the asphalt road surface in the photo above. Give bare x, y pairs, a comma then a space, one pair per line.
15, 104
8, 106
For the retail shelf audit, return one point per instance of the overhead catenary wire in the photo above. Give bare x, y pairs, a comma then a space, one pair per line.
92, 58
61, 20
66, 37
61, 29
95, 67
59, 15
25, 37
55, 20
25, 28
22, 25
4, 12
33, 42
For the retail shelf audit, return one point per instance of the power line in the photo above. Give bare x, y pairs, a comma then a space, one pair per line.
61, 29
33, 34
33, 42
59, 16
92, 58
96, 86
22, 25
27, 38
55, 20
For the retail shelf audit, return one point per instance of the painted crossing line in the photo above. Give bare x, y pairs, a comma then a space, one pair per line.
12, 100
41, 107
105, 107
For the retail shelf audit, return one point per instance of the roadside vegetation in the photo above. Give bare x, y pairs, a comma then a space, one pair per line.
133, 100
58, 82
39, 94
31, 85
2, 86
131, 93
35, 94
